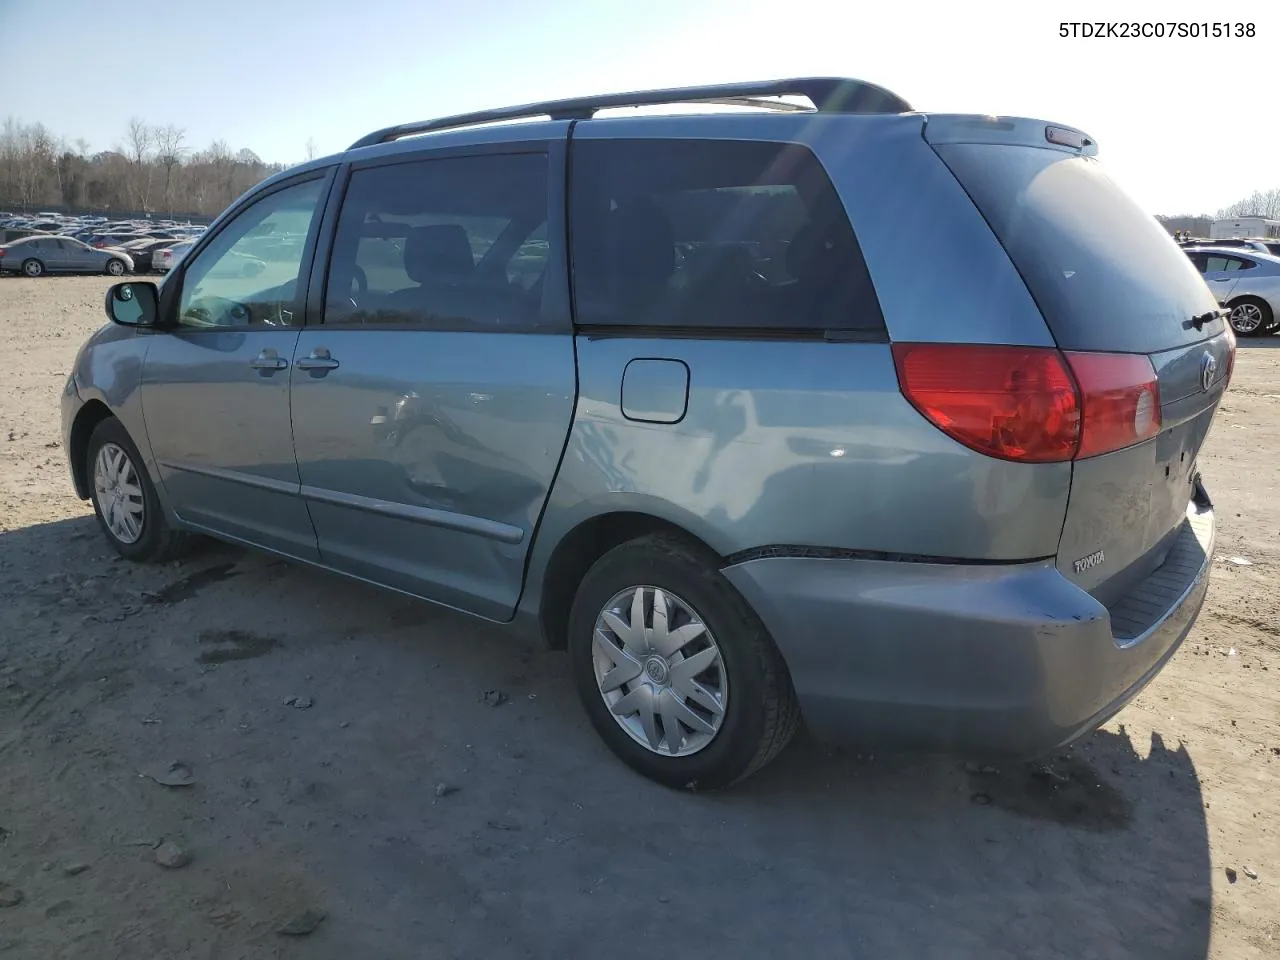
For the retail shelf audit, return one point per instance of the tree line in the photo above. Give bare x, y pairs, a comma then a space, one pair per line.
1257, 204
1260, 203
152, 169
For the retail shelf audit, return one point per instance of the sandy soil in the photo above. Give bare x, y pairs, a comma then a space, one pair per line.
422, 822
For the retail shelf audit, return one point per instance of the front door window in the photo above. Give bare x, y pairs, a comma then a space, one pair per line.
249, 273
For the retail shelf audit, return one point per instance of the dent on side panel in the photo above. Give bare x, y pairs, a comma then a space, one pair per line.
796, 443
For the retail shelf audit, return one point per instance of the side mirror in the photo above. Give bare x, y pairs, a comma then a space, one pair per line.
133, 304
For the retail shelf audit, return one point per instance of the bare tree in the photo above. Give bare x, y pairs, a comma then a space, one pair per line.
39, 170
224, 170
311, 148
169, 153
1257, 204
138, 140
35, 162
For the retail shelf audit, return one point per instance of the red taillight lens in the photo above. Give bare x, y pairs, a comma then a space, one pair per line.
1231, 354
1120, 398
1015, 403
1031, 404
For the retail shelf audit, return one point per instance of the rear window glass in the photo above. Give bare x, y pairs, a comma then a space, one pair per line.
713, 234
1104, 273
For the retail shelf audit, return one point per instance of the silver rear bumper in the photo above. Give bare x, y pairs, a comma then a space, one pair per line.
992, 660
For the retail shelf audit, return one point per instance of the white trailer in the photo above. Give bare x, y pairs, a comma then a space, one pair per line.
1235, 228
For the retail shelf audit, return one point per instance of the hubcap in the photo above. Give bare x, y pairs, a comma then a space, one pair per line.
659, 671
33, 269
1246, 318
119, 492
115, 269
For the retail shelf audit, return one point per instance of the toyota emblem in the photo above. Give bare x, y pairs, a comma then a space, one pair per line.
1208, 366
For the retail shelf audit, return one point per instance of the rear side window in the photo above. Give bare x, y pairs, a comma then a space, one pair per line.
1218, 264
1103, 271
450, 244
718, 234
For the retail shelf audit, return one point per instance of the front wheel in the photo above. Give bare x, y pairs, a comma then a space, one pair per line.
116, 268
124, 499
676, 672
33, 268
1250, 316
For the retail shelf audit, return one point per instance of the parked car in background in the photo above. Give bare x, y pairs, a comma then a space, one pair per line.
1246, 281
142, 252
1236, 243
102, 241
36, 256
673, 393
164, 259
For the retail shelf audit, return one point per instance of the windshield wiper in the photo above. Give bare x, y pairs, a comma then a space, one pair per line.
1200, 321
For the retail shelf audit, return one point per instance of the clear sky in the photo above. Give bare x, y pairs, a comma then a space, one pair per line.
1174, 124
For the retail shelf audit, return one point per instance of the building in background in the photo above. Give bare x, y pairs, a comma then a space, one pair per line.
1231, 228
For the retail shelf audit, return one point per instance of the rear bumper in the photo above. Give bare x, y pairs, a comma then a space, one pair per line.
989, 660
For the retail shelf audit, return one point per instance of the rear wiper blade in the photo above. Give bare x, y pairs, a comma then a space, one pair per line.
1200, 321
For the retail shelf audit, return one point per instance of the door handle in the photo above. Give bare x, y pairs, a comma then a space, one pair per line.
268, 360
318, 362
1223, 279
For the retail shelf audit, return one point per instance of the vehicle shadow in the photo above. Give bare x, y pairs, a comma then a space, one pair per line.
1270, 342
442, 793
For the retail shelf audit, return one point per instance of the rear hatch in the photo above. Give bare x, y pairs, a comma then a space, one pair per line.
1108, 279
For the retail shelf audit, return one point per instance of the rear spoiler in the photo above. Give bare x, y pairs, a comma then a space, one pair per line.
1014, 131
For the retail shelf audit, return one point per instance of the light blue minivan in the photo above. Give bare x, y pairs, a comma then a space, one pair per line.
818, 407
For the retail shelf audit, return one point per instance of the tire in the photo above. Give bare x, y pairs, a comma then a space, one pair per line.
116, 268
748, 680
148, 538
32, 268
1250, 317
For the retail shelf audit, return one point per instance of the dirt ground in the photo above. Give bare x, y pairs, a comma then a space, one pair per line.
345, 763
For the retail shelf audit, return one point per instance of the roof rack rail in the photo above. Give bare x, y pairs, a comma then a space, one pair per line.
828, 95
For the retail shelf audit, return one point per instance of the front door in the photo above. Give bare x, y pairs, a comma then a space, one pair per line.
432, 399
55, 254
215, 383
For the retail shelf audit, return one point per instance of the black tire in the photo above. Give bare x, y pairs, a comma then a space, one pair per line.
116, 267
32, 268
762, 712
1266, 324
156, 543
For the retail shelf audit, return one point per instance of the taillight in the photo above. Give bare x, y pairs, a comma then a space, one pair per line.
1031, 404
1231, 353
1015, 403
1121, 400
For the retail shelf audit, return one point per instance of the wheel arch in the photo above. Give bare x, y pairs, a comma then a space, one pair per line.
86, 421
579, 548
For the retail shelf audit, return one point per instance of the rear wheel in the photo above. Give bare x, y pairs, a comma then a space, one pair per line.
1250, 316
33, 268
124, 499
676, 672
116, 268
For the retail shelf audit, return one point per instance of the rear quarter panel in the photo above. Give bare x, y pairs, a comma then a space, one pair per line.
795, 443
